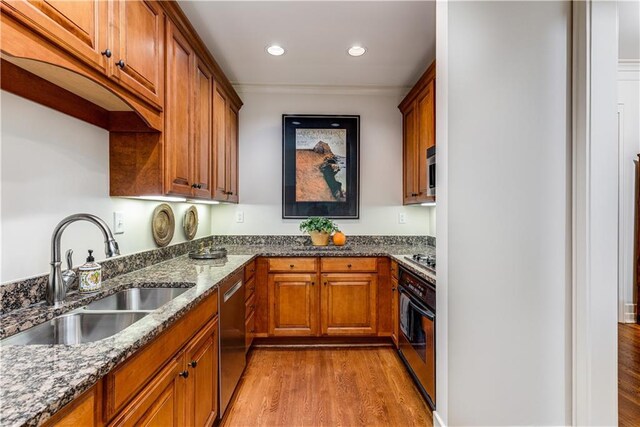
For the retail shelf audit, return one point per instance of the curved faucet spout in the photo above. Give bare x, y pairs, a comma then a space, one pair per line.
59, 283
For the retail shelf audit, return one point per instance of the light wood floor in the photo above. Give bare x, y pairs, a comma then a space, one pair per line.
327, 387
628, 374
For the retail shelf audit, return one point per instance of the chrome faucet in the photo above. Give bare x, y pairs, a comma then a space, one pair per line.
59, 282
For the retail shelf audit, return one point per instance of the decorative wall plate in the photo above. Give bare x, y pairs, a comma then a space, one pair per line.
190, 222
163, 224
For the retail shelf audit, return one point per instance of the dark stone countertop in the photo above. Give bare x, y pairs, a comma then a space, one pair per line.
38, 380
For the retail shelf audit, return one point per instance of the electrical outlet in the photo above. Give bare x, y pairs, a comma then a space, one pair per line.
239, 216
402, 218
118, 223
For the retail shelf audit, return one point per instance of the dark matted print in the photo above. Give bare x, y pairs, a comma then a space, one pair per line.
320, 166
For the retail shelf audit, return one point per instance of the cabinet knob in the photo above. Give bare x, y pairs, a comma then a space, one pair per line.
106, 53
313, 283
120, 64
199, 185
414, 194
193, 363
291, 265
325, 283
184, 374
393, 289
349, 265
193, 186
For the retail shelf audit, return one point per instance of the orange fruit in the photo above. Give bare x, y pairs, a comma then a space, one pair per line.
339, 239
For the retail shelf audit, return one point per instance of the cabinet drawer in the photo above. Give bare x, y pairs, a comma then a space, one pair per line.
250, 306
249, 270
292, 264
394, 269
127, 379
349, 264
249, 288
250, 329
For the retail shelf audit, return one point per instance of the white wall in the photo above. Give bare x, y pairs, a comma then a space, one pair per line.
628, 149
505, 276
261, 163
53, 165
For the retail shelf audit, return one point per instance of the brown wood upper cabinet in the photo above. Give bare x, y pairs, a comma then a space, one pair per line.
138, 49
81, 28
418, 134
189, 119
225, 130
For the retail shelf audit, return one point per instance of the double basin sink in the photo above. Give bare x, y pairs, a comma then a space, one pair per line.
98, 320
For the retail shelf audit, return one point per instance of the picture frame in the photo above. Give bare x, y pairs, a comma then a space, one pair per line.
320, 166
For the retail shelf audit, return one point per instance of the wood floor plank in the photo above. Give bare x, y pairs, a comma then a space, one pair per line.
326, 387
628, 375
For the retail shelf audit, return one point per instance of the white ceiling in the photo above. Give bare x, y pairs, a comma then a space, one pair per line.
399, 36
629, 29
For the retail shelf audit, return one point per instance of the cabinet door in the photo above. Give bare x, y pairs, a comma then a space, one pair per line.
232, 155
203, 125
349, 304
178, 118
426, 136
161, 402
395, 311
138, 41
409, 152
220, 129
79, 27
293, 305
201, 357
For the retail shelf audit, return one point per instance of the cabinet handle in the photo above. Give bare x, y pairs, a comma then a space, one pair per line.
291, 265
349, 265
414, 194
193, 186
325, 283
106, 53
120, 64
313, 283
393, 289
193, 363
184, 374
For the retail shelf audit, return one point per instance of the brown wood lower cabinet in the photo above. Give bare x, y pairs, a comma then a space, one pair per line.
293, 304
349, 304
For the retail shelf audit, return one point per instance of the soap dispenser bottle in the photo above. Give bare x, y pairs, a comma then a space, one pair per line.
90, 275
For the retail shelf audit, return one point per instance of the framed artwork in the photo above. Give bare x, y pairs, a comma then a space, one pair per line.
320, 171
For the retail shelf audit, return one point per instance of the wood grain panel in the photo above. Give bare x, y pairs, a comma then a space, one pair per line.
249, 270
138, 41
250, 305
249, 287
179, 116
349, 304
135, 163
85, 410
262, 299
232, 168
425, 104
201, 357
293, 264
409, 153
348, 264
327, 387
219, 181
293, 305
385, 297
203, 131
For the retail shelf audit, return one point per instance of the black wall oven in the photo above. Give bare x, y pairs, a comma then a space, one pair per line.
417, 332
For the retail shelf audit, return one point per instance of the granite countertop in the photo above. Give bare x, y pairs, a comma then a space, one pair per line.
38, 380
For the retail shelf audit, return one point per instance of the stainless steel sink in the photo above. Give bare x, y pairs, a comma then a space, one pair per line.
76, 328
137, 299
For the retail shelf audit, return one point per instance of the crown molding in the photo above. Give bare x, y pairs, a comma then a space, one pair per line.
629, 70
321, 89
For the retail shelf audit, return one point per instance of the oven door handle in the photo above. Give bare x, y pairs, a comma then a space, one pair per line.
422, 311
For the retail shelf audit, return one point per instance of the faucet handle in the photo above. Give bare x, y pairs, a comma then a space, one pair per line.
69, 256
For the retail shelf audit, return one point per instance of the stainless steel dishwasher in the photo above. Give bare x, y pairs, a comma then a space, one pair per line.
232, 337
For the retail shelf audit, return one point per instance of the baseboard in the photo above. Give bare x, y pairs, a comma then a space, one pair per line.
437, 421
629, 313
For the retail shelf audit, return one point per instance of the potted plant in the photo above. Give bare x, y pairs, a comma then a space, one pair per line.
319, 228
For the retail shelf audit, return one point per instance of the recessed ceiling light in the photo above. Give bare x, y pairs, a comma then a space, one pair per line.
275, 50
356, 50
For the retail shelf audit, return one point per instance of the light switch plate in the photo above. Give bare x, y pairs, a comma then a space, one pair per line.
239, 216
118, 223
402, 218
